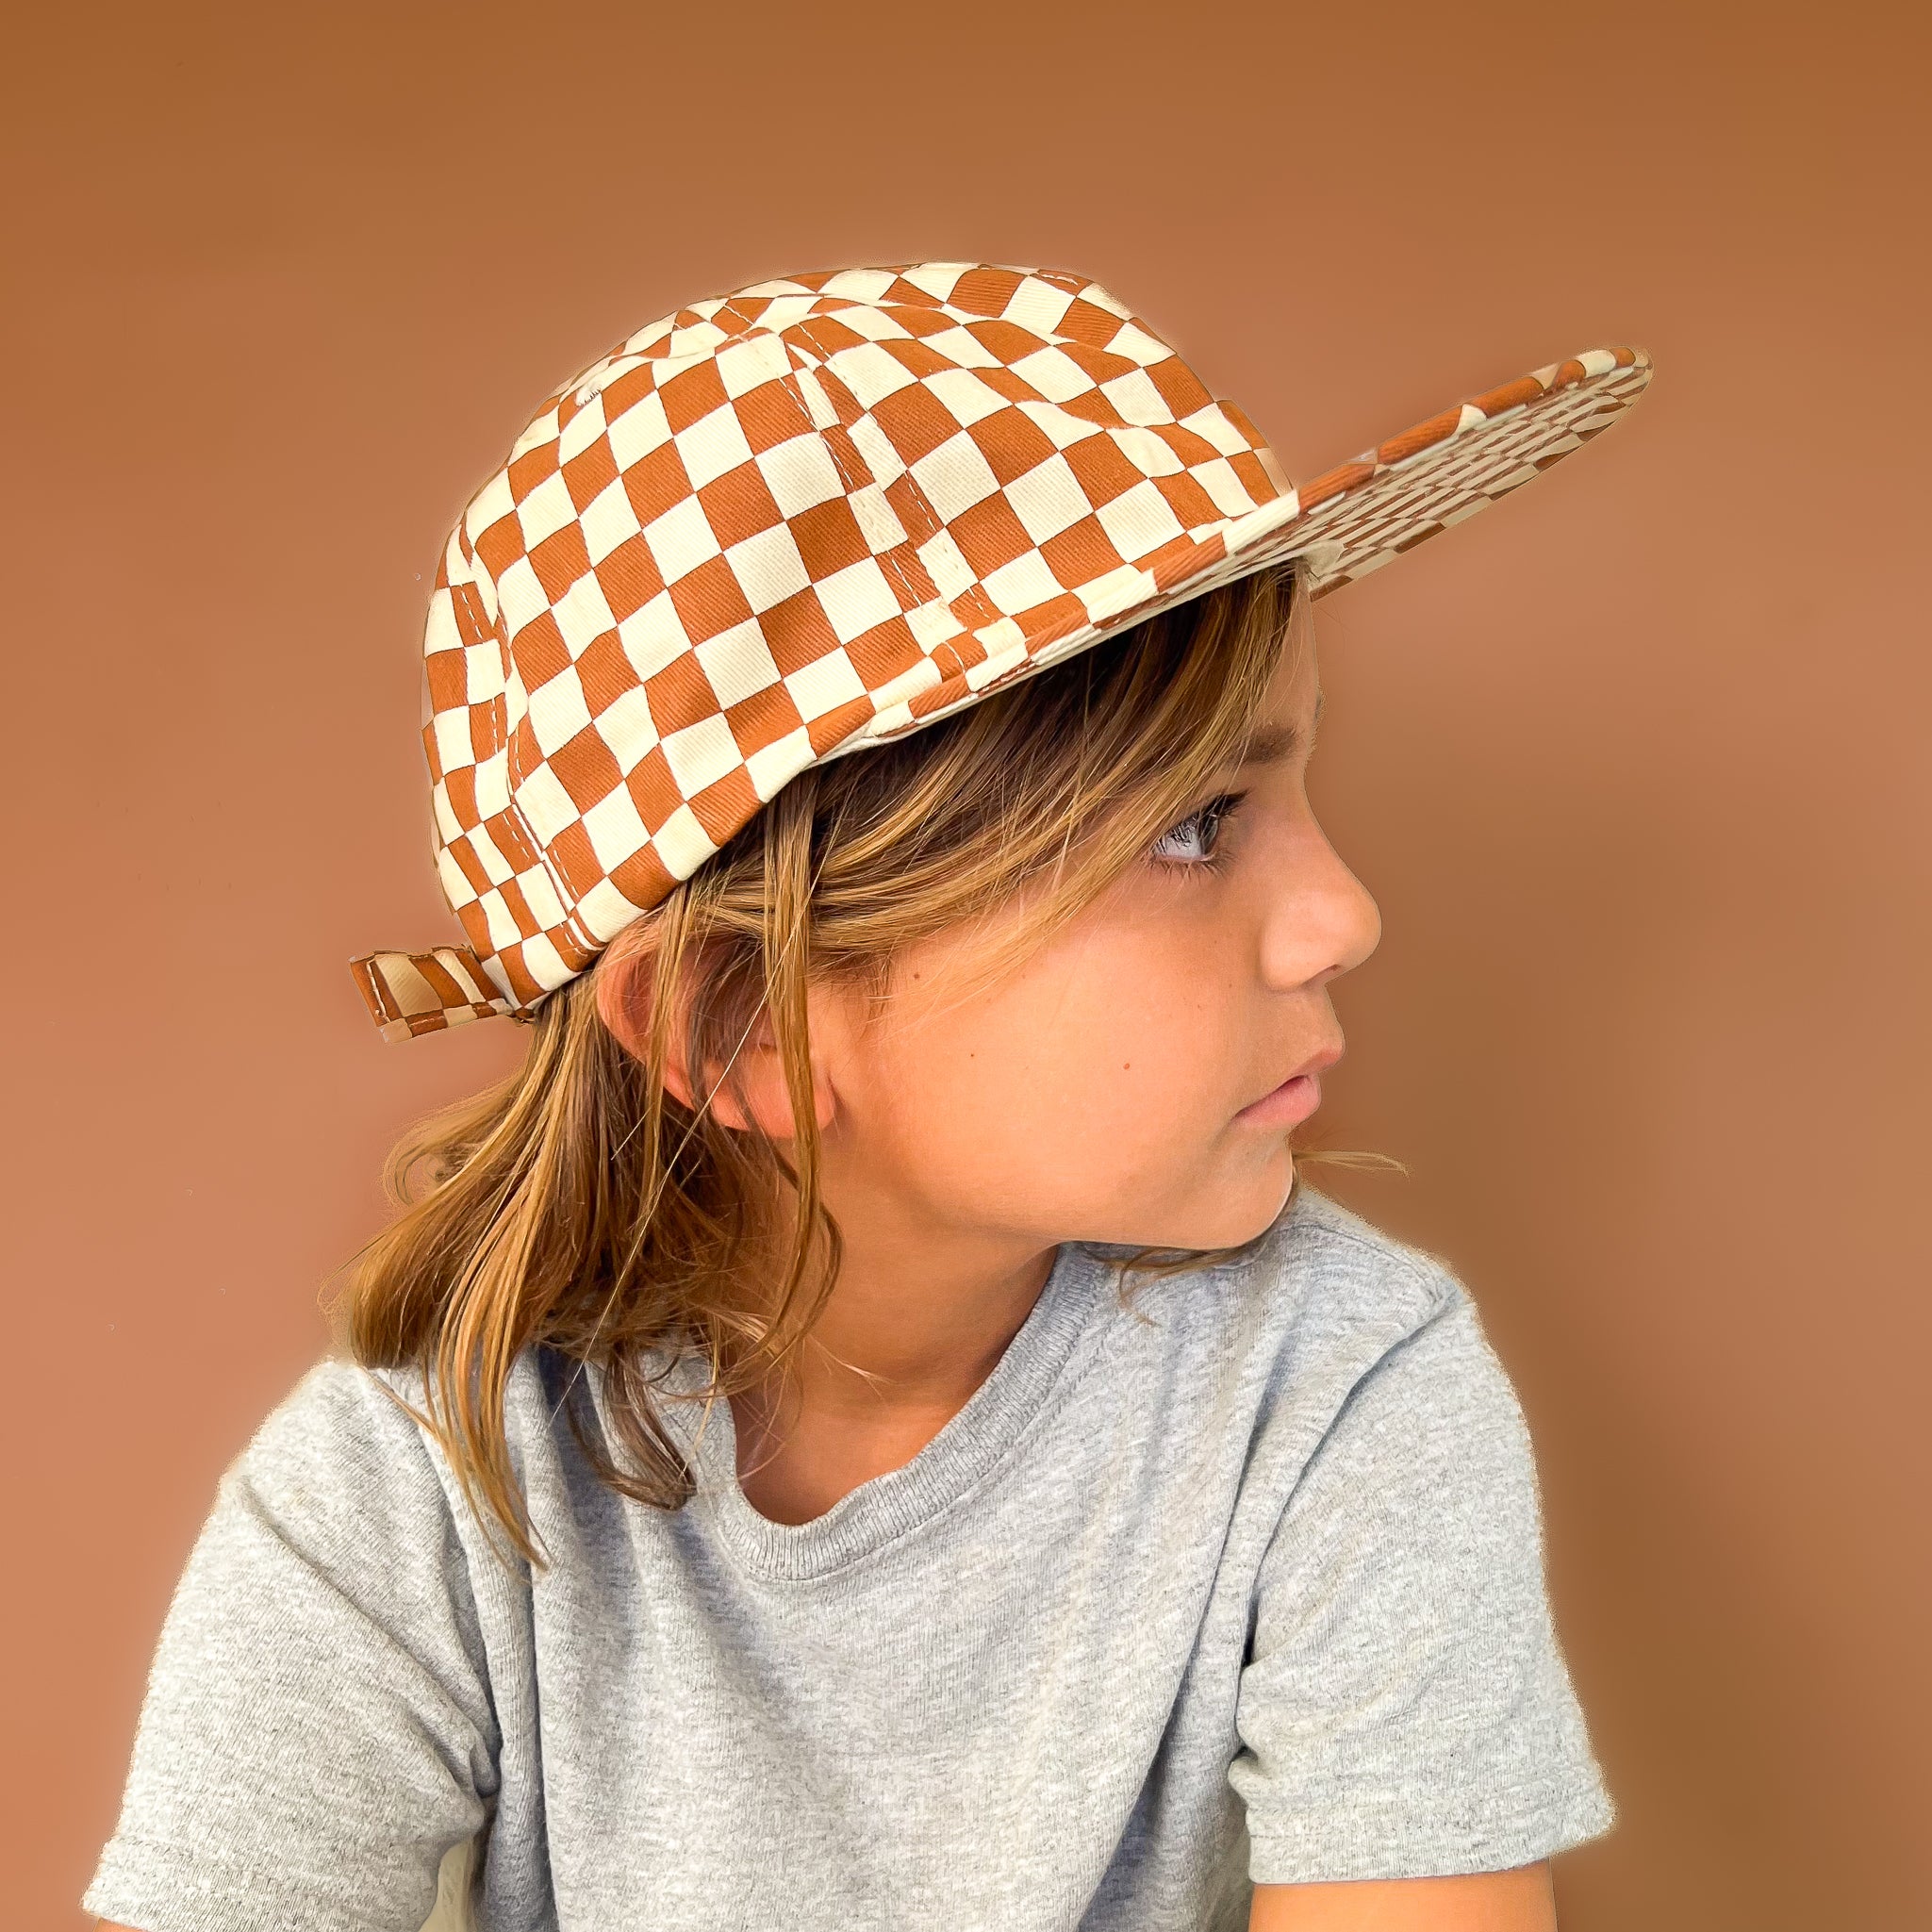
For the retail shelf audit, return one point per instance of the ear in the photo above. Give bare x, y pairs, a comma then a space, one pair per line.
624, 988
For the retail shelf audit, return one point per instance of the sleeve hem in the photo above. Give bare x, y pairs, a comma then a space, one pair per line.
1404, 1840
166, 1888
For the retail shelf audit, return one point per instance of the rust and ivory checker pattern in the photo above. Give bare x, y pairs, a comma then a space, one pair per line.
784, 525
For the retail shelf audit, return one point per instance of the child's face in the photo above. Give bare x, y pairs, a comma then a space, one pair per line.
1096, 1092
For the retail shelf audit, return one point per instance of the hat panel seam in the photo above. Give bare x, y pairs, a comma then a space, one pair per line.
887, 558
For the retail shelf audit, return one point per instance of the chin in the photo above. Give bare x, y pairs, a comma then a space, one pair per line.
1231, 1221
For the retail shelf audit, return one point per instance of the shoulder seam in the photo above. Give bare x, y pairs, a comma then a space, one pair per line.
1437, 1280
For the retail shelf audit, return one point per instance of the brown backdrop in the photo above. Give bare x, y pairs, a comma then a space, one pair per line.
1634, 764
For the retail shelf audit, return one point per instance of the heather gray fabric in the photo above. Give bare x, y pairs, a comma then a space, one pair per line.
1250, 1589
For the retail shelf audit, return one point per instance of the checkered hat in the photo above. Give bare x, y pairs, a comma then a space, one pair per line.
786, 524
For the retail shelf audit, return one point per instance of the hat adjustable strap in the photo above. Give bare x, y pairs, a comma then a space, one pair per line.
411, 993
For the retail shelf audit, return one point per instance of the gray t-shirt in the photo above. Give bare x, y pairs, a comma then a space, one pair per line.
1246, 1587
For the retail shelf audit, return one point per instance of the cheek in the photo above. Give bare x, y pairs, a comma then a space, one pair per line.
1160, 1067
1113, 1074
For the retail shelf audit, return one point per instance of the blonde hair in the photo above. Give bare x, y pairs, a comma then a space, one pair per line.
580, 1206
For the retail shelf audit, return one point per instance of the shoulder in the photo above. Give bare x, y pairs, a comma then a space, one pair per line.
345, 1462
363, 1416
1337, 1341
1427, 1384
351, 1453
1405, 1418
335, 1469
1326, 1262
338, 1412
1320, 1298
1334, 1267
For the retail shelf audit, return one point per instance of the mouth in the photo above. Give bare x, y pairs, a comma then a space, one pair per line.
1297, 1096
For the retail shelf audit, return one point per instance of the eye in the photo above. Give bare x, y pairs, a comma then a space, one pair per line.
1201, 827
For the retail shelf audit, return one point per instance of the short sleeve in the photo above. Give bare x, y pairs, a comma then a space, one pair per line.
1405, 1709
318, 1727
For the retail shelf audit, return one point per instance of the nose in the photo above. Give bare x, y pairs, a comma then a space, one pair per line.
1324, 923
1357, 918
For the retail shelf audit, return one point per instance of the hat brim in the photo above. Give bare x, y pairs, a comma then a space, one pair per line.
1359, 517
1344, 525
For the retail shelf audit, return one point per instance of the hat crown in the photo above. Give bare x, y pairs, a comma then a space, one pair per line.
773, 528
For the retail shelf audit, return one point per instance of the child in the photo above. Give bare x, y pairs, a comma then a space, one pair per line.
867, 1428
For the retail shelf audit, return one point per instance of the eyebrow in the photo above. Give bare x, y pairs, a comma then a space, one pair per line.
1272, 744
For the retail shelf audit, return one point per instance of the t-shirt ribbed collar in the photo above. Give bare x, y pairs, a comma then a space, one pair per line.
889, 1506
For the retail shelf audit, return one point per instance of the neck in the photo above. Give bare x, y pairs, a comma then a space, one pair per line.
917, 1319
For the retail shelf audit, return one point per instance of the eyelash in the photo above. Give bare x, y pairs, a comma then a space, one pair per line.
1219, 810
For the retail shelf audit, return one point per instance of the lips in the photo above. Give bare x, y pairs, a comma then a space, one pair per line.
1315, 1064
